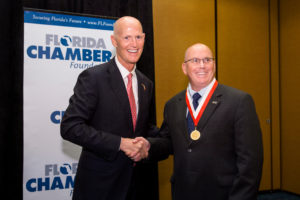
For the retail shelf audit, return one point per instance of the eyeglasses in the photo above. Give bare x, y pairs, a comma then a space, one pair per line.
198, 60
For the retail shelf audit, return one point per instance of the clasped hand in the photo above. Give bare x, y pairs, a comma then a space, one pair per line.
136, 148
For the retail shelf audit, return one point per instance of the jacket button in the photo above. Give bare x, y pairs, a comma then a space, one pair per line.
189, 150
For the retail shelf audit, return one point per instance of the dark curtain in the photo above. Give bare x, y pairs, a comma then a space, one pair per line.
11, 78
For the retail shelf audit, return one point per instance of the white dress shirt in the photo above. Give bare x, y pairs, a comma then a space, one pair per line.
203, 92
124, 72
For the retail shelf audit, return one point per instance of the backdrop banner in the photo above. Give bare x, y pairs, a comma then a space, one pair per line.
57, 47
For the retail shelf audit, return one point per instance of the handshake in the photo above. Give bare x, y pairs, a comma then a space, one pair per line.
136, 149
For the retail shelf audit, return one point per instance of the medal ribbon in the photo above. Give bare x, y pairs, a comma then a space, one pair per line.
203, 106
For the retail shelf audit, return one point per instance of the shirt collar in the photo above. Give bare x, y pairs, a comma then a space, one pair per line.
124, 72
202, 91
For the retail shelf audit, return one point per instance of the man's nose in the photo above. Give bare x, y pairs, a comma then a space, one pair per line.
201, 64
133, 42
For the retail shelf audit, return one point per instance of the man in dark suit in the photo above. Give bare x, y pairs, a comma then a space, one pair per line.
214, 133
111, 106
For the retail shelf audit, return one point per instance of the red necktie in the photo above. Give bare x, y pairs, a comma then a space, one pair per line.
131, 99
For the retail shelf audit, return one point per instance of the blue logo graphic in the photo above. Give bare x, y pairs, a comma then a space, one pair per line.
56, 116
76, 48
57, 177
66, 40
66, 169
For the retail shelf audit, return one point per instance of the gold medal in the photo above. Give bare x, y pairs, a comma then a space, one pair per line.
195, 135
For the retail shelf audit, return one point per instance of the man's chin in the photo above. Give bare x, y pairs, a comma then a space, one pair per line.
134, 61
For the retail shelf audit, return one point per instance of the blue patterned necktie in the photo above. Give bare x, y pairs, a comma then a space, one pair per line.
190, 122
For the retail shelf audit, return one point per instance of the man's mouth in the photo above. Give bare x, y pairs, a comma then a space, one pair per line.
132, 50
200, 73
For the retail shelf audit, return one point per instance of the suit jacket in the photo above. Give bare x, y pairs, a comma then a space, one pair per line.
97, 117
226, 162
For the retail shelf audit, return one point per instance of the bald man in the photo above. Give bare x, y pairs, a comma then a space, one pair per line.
111, 106
214, 134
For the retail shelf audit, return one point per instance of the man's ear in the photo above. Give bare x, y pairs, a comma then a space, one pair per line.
113, 41
184, 66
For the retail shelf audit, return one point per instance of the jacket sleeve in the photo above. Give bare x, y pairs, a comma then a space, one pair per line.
249, 151
161, 145
75, 126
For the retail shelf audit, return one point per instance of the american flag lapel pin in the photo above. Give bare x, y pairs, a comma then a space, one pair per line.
143, 85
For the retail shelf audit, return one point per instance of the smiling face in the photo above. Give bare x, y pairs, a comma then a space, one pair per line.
200, 74
128, 39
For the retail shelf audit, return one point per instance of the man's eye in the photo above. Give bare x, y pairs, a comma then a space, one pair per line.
206, 60
196, 60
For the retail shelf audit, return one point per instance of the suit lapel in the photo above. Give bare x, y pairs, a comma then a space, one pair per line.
211, 107
118, 87
213, 103
141, 94
182, 110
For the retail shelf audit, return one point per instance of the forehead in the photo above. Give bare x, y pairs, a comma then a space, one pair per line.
129, 27
130, 30
198, 51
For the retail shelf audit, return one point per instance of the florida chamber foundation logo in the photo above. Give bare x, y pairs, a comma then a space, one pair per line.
82, 52
56, 177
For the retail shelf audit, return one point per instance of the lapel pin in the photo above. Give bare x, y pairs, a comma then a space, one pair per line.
144, 86
214, 102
